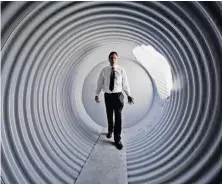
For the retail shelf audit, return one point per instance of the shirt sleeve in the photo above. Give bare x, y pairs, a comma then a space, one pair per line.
100, 83
125, 83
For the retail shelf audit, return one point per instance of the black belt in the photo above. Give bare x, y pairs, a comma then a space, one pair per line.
113, 93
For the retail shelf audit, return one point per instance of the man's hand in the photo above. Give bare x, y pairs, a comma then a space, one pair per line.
130, 100
97, 99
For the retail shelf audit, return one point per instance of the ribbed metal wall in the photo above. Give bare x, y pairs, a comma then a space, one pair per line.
46, 136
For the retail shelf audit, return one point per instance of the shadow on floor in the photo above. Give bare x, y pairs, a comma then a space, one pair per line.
104, 133
107, 141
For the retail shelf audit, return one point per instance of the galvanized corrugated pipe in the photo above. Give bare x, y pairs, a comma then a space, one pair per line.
49, 48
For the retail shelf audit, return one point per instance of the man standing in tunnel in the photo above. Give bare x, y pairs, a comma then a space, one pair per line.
113, 81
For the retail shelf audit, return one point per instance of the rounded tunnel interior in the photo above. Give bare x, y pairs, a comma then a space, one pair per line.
51, 54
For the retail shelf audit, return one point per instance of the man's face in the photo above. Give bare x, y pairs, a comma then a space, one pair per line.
113, 59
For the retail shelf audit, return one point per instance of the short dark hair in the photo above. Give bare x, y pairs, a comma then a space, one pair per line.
113, 52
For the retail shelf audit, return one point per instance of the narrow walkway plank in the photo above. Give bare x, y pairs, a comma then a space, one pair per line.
106, 164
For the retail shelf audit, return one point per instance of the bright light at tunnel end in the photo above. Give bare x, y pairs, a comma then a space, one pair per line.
157, 66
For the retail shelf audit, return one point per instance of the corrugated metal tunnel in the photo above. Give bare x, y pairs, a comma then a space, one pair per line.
51, 53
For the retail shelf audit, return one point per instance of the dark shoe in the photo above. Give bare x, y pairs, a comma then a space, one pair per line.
119, 145
109, 135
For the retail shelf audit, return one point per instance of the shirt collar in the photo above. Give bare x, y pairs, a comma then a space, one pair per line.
114, 67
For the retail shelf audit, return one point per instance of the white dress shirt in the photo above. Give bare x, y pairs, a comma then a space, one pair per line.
120, 81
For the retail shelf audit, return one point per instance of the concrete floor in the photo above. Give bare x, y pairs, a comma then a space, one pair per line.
106, 164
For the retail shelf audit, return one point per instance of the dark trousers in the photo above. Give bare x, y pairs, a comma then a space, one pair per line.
114, 103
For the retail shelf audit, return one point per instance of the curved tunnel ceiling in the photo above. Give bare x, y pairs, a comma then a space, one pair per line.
47, 134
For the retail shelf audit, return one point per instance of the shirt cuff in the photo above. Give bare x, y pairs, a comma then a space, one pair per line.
128, 94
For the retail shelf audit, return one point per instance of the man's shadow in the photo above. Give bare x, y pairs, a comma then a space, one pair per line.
106, 141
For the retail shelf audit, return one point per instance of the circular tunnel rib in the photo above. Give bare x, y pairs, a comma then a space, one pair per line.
49, 53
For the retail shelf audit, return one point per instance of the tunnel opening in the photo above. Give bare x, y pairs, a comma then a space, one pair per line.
157, 66
142, 90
